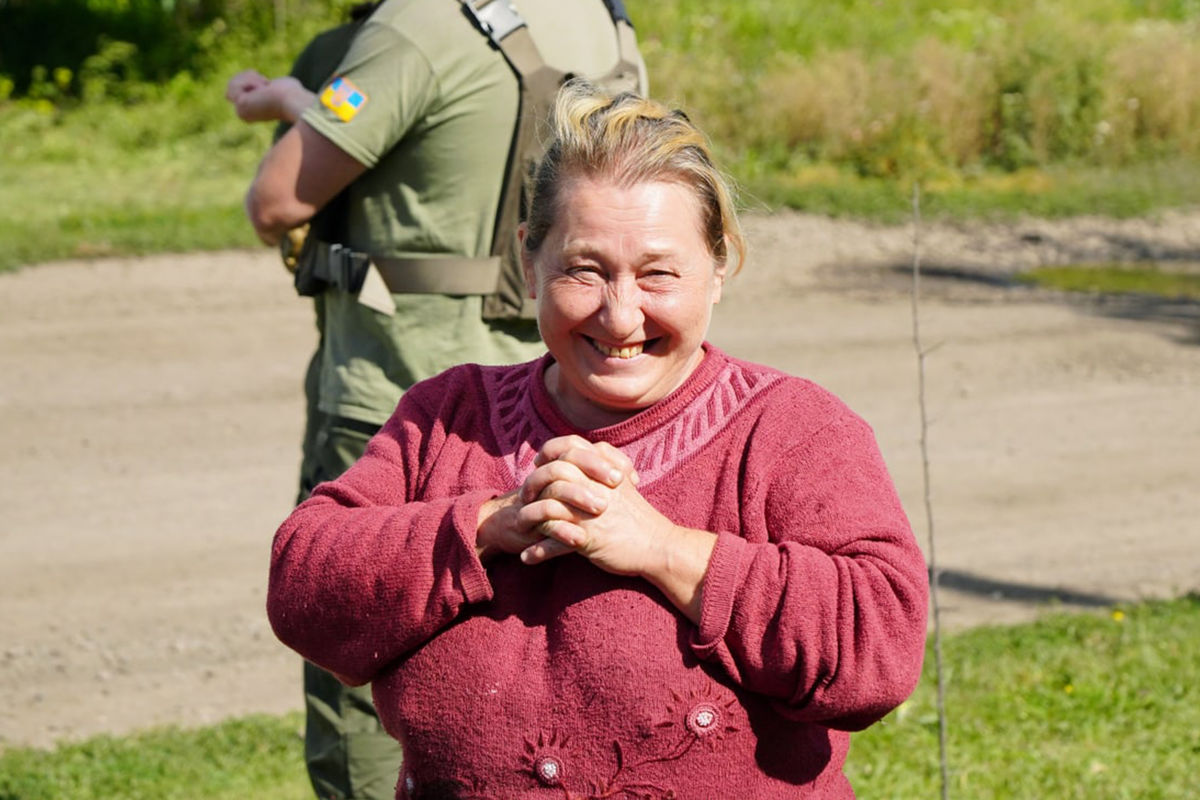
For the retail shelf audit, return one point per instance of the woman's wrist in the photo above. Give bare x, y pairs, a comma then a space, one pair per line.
679, 570
495, 517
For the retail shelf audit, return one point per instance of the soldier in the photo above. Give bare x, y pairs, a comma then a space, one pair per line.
404, 163
256, 98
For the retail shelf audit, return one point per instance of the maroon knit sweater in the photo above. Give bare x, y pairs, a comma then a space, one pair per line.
563, 681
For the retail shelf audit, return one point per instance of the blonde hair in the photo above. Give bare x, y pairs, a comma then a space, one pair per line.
631, 140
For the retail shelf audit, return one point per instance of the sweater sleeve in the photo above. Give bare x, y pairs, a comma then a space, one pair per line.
826, 613
361, 573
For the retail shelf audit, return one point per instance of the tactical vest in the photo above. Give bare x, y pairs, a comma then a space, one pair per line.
539, 84
497, 277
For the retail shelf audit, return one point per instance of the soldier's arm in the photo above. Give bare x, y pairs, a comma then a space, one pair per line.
300, 174
257, 99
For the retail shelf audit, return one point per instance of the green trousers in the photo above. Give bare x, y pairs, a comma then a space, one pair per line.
348, 754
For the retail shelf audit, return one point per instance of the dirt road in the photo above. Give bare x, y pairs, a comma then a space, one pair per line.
152, 410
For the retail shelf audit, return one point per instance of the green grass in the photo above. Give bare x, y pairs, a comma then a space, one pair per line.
164, 175
256, 757
1060, 191
1080, 706
139, 168
1152, 279
752, 31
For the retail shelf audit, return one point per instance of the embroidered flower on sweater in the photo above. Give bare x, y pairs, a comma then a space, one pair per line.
545, 758
702, 715
548, 770
699, 717
704, 719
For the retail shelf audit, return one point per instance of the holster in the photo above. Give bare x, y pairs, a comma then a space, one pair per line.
321, 265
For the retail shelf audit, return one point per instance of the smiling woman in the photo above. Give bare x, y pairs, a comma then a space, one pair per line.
635, 567
627, 285
630, 230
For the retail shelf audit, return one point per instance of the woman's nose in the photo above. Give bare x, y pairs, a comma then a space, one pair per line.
621, 313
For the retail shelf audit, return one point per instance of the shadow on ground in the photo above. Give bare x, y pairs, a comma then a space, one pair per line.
1027, 593
1180, 313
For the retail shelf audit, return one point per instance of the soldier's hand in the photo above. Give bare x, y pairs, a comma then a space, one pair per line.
245, 81
278, 100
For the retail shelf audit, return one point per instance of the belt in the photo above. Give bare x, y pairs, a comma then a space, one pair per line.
376, 278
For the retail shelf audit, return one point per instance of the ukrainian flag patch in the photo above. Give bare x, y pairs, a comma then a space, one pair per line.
343, 98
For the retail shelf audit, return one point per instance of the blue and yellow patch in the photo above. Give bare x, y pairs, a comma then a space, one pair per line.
343, 98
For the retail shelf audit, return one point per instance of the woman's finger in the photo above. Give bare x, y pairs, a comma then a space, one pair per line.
548, 510
558, 540
554, 448
585, 455
619, 460
547, 474
586, 497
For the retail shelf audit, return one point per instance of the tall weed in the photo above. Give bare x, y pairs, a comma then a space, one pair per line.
993, 86
1155, 106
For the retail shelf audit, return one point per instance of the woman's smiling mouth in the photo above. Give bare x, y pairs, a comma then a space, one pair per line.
624, 351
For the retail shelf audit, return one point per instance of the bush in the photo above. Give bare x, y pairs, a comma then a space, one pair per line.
910, 90
122, 42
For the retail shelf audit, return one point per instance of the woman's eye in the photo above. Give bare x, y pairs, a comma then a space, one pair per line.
659, 274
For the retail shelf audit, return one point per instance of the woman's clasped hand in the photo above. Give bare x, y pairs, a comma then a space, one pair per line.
571, 502
582, 497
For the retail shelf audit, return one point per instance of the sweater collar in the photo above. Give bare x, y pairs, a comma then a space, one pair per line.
639, 424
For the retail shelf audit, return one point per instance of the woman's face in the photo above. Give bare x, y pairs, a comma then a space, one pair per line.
625, 285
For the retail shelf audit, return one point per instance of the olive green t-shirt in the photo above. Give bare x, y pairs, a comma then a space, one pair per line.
426, 103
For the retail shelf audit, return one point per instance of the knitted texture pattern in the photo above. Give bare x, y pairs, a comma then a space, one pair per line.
563, 681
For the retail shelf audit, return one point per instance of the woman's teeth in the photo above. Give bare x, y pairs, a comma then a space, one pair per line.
619, 352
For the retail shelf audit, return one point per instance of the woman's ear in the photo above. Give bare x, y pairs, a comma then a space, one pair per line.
526, 261
720, 269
